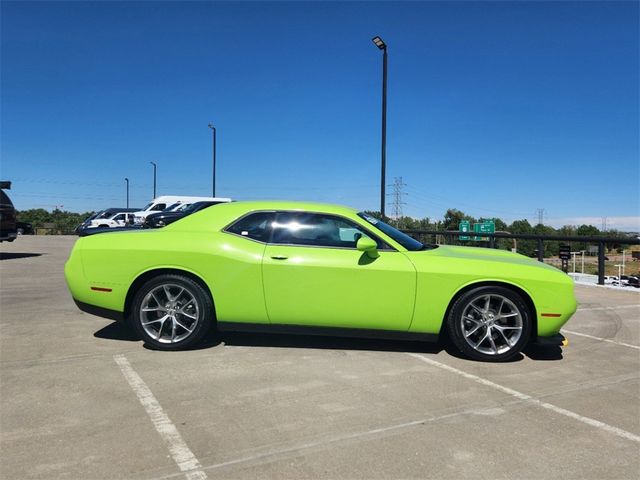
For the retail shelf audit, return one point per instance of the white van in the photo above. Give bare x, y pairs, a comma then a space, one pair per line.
171, 202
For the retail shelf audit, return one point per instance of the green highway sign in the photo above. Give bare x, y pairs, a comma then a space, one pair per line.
465, 226
488, 226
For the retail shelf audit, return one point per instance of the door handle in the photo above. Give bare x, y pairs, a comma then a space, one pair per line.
279, 257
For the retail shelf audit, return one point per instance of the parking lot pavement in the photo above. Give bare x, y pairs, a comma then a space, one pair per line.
82, 399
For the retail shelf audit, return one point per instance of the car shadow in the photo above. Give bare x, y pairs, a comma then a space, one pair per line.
539, 352
121, 331
278, 340
117, 331
15, 255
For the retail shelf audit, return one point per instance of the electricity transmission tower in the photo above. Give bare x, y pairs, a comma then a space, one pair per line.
604, 224
397, 195
540, 215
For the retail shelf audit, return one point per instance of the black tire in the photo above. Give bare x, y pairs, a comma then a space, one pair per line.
197, 304
103, 226
495, 338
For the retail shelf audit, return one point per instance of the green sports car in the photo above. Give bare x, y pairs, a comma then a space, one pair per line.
315, 268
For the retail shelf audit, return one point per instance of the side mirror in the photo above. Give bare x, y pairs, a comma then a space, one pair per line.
368, 246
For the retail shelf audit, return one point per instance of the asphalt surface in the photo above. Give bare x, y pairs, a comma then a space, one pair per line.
81, 398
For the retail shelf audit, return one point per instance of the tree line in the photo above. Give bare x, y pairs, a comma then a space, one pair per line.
59, 222
453, 217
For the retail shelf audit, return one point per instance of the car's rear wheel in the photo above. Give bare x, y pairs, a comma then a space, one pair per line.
171, 312
490, 323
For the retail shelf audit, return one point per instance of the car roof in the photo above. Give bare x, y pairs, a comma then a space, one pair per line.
110, 210
225, 213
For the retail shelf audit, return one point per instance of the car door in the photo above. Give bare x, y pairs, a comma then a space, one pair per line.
118, 220
314, 275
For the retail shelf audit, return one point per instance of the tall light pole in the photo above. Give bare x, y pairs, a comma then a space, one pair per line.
383, 46
213, 129
127, 180
154, 178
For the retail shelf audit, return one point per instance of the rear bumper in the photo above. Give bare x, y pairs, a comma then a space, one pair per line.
8, 235
556, 340
99, 311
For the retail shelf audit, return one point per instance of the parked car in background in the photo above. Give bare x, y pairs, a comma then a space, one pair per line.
117, 219
8, 227
634, 282
24, 228
161, 203
102, 214
162, 219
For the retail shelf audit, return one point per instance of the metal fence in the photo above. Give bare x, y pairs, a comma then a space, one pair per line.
451, 236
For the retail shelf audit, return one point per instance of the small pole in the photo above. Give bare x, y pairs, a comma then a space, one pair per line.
573, 254
213, 179
623, 255
582, 261
127, 180
154, 178
601, 263
540, 250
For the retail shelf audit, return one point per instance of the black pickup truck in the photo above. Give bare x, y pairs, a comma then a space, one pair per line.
8, 228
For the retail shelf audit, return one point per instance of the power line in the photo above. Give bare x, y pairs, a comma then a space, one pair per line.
438, 200
397, 196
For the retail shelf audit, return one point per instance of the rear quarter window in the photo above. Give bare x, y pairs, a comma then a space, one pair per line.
256, 226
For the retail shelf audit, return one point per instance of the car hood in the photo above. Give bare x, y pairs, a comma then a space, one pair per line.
475, 254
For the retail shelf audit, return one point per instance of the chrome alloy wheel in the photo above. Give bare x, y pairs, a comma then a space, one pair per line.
491, 324
169, 313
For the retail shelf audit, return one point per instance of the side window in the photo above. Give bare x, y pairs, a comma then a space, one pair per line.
159, 207
256, 226
118, 217
318, 230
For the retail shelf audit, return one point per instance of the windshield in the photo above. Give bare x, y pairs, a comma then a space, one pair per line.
4, 199
172, 206
402, 238
193, 207
147, 206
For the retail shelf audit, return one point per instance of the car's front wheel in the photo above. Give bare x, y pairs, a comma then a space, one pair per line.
489, 323
171, 312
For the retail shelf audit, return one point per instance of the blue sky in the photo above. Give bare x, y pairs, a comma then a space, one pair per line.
494, 108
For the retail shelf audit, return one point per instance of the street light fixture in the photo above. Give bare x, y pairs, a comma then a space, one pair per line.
378, 42
213, 129
154, 178
127, 180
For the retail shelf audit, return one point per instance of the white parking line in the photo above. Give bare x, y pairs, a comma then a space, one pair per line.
180, 452
528, 398
279, 452
601, 339
617, 307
